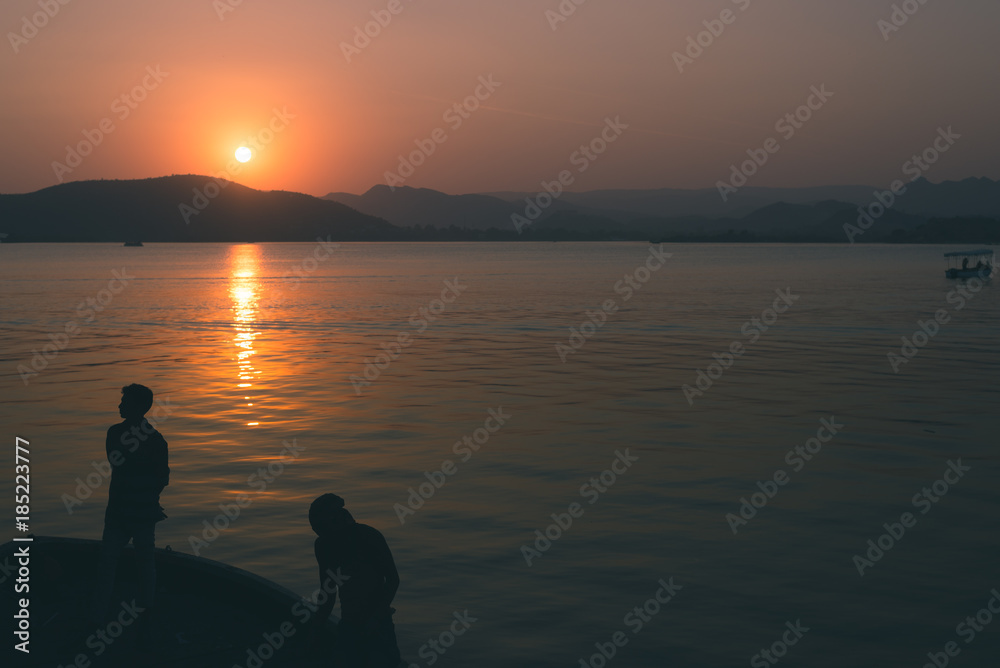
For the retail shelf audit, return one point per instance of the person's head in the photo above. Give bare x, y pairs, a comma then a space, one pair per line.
327, 515
136, 401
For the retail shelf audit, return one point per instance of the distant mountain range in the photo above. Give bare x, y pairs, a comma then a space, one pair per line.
200, 208
408, 207
178, 208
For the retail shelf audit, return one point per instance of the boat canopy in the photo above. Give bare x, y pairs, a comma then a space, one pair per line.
973, 253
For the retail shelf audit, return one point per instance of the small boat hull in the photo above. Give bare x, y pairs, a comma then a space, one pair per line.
207, 614
984, 272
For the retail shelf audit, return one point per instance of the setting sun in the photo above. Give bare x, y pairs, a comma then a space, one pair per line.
243, 154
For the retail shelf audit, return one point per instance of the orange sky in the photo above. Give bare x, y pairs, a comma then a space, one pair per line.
227, 73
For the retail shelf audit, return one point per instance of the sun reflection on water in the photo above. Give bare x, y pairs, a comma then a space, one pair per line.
244, 291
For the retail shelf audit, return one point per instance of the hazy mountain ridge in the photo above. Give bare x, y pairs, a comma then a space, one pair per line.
822, 222
968, 197
408, 207
669, 202
178, 208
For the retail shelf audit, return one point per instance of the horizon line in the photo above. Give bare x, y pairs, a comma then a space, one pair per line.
489, 192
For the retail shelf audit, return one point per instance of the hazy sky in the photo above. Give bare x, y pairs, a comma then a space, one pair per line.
222, 75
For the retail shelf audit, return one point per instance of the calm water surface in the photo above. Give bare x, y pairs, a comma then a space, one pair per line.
250, 360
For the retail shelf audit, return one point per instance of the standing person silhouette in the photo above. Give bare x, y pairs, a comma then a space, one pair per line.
139, 472
355, 560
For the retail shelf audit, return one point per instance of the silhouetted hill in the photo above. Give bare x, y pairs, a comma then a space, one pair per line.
821, 222
177, 208
408, 207
412, 206
196, 208
800, 214
969, 197
784, 218
670, 203
977, 230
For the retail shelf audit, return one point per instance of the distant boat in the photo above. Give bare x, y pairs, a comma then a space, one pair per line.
960, 264
133, 243
207, 614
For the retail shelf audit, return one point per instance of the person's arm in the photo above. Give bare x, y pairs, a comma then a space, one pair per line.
316, 635
111, 444
163, 464
327, 584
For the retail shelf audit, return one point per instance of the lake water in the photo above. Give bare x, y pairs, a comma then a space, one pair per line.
250, 360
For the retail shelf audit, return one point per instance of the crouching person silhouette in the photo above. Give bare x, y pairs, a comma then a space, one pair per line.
139, 472
355, 560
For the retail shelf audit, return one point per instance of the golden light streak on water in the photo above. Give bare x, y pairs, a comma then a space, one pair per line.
244, 291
